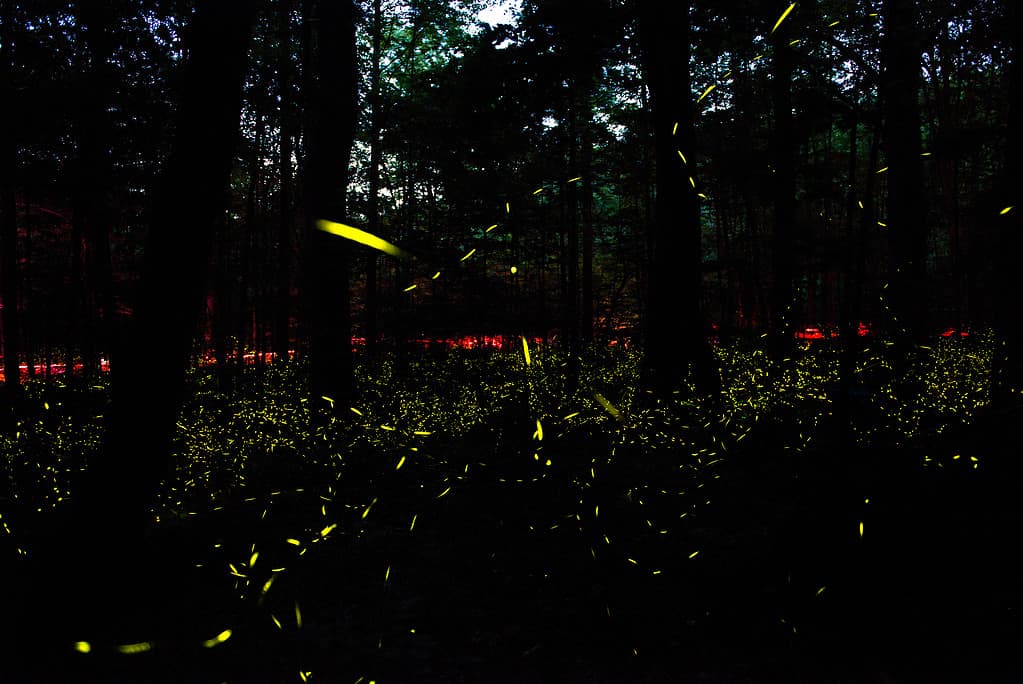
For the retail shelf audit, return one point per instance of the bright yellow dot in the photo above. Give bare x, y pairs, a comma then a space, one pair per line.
83, 646
514, 269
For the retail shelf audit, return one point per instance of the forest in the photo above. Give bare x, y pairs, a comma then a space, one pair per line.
510, 341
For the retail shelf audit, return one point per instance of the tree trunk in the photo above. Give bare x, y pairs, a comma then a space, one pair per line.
8, 208
373, 208
907, 215
674, 288
331, 117
570, 305
149, 374
586, 322
784, 190
282, 318
95, 134
1007, 385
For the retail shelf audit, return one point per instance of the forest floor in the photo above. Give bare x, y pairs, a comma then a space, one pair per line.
835, 563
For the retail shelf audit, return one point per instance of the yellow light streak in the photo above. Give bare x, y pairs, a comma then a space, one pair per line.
706, 93
132, 649
782, 17
219, 639
608, 406
362, 237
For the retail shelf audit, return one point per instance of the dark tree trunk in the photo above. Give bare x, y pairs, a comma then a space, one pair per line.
570, 305
282, 317
907, 216
222, 309
586, 321
93, 205
676, 348
1007, 388
8, 209
146, 395
373, 208
852, 302
331, 118
784, 190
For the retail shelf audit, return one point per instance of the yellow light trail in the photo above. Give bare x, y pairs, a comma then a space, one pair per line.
782, 17
362, 237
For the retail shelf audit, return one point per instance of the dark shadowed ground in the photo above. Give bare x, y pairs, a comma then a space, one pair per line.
783, 588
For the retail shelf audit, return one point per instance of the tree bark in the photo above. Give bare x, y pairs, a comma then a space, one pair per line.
282, 317
93, 204
331, 117
907, 216
8, 207
373, 208
674, 288
1007, 385
149, 373
784, 189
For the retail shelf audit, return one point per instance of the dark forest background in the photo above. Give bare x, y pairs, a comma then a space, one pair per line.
855, 143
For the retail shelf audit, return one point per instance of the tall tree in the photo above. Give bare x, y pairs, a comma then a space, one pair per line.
92, 214
373, 201
145, 394
1007, 388
783, 174
907, 217
282, 331
675, 346
8, 206
331, 117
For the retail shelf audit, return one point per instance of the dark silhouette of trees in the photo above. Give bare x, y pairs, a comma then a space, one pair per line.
285, 89
783, 187
92, 218
372, 314
907, 218
1007, 382
145, 396
675, 344
8, 207
330, 131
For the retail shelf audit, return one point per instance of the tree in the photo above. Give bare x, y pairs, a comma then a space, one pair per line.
675, 345
373, 200
8, 207
1007, 384
783, 151
330, 132
149, 374
92, 214
907, 218
282, 330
